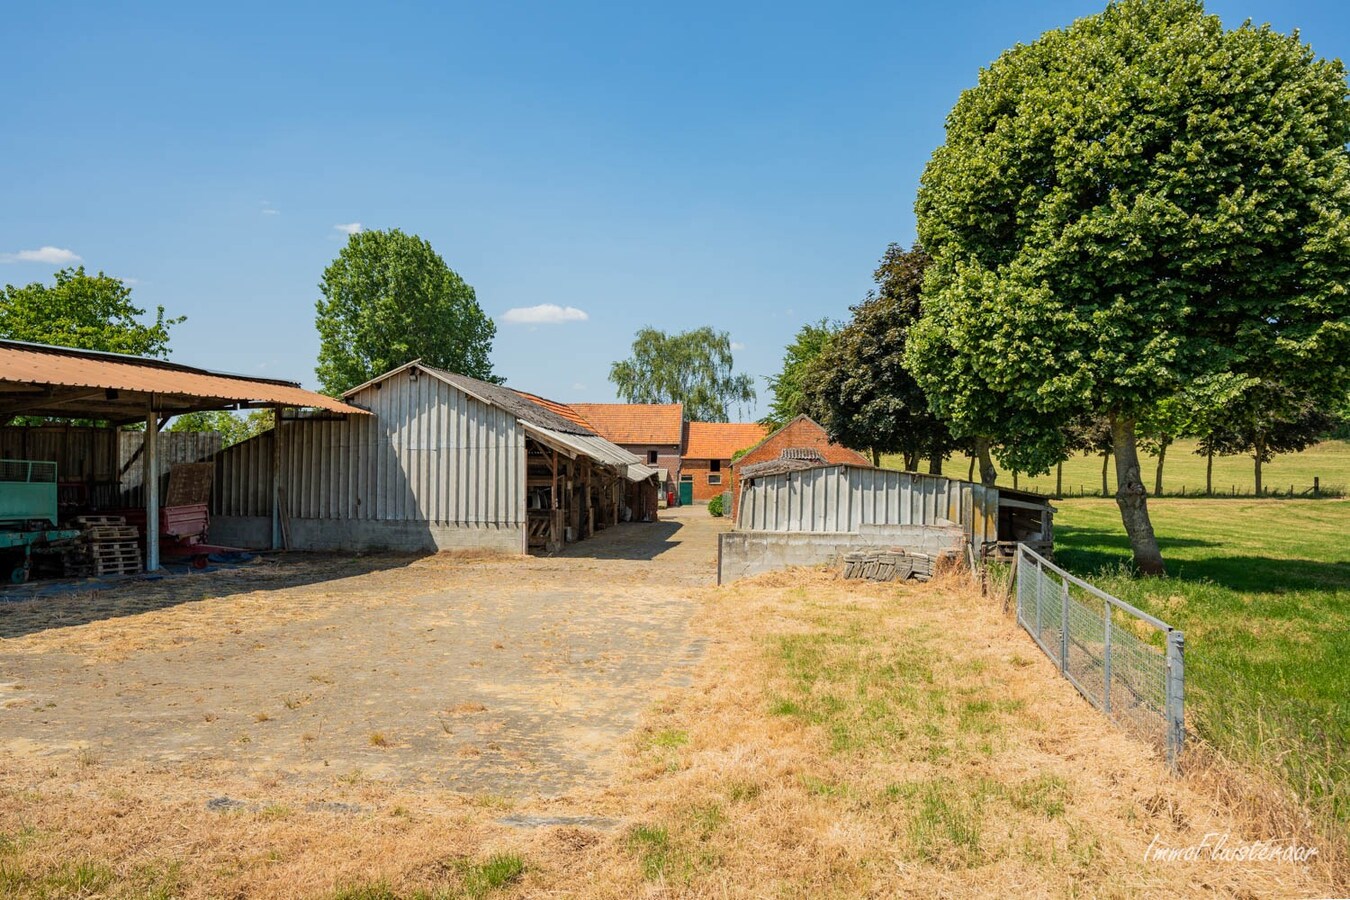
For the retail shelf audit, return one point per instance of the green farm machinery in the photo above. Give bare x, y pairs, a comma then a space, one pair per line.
28, 514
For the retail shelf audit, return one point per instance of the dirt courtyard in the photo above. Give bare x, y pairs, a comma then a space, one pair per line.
484, 676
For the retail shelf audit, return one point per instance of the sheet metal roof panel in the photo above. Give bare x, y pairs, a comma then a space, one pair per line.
597, 448
64, 367
640, 472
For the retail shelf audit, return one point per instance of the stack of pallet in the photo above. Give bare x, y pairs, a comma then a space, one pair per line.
107, 546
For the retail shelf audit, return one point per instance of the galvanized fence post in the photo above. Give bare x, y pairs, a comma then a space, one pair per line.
1176, 681
1106, 659
1064, 626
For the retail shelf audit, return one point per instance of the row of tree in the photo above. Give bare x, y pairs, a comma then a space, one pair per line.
1114, 252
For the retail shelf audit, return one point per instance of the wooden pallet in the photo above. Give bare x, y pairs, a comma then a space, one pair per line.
114, 551
100, 534
126, 567
100, 520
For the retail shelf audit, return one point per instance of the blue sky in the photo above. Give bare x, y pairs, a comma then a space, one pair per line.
739, 165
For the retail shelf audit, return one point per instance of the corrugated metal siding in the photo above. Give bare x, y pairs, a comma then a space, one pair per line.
846, 498
429, 453
172, 448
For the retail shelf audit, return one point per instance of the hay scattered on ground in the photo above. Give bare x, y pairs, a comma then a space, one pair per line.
838, 739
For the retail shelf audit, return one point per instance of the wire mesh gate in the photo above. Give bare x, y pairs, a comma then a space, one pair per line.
1128, 664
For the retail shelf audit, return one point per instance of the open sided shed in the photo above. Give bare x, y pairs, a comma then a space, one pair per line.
60, 382
443, 462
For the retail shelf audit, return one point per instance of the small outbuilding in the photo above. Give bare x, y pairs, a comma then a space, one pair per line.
799, 512
799, 444
442, 462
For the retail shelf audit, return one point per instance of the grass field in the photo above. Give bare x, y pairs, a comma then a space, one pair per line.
1262, 590
1183, 470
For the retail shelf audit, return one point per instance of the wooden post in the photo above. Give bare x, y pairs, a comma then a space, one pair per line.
1176, 686
151, 480
1317, 486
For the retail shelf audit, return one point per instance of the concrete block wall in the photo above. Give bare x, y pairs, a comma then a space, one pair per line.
741, 554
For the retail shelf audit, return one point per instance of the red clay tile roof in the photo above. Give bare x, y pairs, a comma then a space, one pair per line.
721, 440
635, 423
560, 409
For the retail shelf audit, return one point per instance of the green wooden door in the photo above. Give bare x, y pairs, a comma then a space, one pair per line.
686, 493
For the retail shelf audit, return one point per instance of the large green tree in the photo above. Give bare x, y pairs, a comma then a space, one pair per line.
1128, 205
788, 387
390, 298
695, 368
88, 312
232, 427
859, 389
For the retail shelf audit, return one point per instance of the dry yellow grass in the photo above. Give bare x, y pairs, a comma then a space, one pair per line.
838, 740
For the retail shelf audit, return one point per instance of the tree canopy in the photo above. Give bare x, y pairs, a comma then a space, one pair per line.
859, 389
695, 368
389, 298
87, 312
788, 387
1126, 206
232, 427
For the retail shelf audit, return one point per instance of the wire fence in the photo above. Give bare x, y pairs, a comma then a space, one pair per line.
1127, 663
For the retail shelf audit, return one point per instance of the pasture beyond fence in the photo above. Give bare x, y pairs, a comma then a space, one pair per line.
1127, 663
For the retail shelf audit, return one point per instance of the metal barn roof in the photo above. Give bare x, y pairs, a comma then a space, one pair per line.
41, 380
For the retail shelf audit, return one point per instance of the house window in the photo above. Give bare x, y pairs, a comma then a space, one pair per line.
714, 478
689, 478
715, 465
651, 457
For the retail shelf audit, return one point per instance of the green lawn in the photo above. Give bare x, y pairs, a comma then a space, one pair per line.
1183, 470
1262, 590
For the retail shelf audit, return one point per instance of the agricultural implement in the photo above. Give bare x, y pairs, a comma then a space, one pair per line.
185, 517
28, 514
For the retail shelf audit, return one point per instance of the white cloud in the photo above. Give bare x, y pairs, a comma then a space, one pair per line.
349, 228
51, 255
544, 314
269, 211
737, 345
130, 282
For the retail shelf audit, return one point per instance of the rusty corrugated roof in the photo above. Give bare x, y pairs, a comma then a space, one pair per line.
60, 381
636, 423
721, 440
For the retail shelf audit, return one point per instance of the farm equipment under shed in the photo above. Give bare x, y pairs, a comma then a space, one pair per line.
28, 514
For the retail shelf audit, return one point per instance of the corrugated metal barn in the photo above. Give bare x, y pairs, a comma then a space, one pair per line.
795, 513
444, 462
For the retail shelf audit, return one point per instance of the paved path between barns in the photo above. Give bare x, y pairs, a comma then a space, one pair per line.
488, 676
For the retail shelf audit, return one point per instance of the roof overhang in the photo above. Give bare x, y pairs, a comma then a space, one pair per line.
59, 382
574, 445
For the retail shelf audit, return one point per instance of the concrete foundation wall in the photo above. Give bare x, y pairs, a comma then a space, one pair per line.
358, 536
744, 553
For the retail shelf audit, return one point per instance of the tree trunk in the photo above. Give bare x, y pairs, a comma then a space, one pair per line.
988, 474
1132, 498
911, 460
1157, 479
1014, 479
1260, 452
876, 457
970, 475
1106, 462
1059, 479
935, 464
1209, 472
